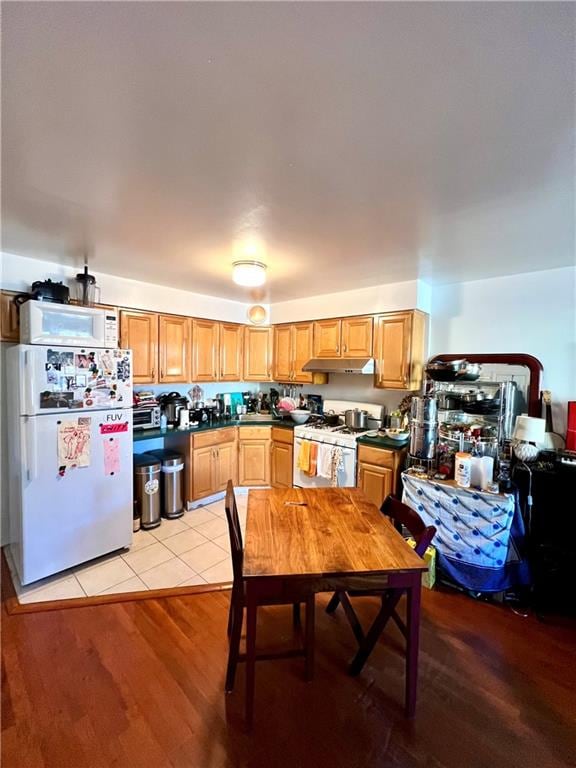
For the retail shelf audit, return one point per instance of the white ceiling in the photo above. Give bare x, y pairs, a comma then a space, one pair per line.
367, 143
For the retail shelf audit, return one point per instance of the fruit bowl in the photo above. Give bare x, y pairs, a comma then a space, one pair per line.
397, 434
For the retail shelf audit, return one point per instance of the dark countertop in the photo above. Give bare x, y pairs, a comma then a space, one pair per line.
384, 442
155, 434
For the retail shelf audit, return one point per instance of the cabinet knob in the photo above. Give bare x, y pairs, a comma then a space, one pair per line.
345, 348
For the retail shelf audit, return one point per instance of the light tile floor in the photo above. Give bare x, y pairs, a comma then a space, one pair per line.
193, 549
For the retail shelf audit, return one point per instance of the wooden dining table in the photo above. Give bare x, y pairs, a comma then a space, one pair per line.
303, 541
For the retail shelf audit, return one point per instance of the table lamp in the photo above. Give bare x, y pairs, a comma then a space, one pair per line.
528, 432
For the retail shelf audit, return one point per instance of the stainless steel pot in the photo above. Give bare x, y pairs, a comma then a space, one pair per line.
356, 419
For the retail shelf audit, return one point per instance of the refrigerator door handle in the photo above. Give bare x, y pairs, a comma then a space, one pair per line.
30, 450
28, 376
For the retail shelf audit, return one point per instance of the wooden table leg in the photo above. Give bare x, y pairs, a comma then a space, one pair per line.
412, 639
309, 640
251, 614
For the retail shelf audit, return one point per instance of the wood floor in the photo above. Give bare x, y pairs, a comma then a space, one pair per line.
140, 685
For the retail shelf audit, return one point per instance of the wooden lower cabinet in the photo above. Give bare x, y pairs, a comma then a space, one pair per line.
226, 465
202, 472
379, 472
281, 457
376, 482
214, 457
254, 455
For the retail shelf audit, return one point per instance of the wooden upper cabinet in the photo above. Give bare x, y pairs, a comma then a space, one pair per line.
327, 335
231, 342
139, 332
257, 354
356, 337
9, 318
400, 349
205, 348
282, 369
173, 342
302, 351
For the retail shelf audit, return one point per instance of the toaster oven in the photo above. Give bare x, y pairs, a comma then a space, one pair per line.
146, 417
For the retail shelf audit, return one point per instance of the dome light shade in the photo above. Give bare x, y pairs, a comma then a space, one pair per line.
257, 314
249, 273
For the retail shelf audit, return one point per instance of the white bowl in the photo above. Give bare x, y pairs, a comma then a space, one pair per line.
300, 417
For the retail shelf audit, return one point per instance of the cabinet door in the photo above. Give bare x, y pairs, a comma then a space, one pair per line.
282, 368
302, 351
204, 350
230, 352
327, 338
281, 465
203, 465
254, 462
226, 465
357, 337
392, 350
9, 319
174, 349
139, 332
257, 354
376, 482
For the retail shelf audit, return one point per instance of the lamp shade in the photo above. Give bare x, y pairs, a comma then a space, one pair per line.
530, 429
249, 273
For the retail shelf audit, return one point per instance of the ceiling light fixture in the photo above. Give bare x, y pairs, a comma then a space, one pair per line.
249, 273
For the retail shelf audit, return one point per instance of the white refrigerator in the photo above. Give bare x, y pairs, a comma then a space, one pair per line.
70, 455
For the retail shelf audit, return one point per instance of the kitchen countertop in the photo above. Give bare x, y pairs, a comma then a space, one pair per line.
384, 442
154, 434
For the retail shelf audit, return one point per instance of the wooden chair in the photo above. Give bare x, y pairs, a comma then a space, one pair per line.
238, 602
402, 515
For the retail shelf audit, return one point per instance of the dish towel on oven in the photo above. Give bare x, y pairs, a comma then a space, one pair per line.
313, 460
336, 465
303, 461
324, 461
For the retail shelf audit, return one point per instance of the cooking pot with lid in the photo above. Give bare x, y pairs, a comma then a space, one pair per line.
45, 290
356, 419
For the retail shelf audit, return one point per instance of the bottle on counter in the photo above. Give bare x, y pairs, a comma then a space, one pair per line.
163, 421
463, 469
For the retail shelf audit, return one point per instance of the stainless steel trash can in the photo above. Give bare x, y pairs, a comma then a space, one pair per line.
147, 489
171, 482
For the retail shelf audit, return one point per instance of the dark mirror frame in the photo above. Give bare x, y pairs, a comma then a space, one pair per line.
514, 358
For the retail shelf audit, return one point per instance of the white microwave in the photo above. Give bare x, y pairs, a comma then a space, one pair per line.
68, 325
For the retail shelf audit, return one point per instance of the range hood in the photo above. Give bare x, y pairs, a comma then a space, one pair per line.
340, 365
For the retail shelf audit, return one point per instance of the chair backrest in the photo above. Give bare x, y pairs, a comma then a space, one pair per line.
406, 516
235, 532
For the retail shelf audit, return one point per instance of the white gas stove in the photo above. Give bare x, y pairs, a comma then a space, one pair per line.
339, 437
322, 433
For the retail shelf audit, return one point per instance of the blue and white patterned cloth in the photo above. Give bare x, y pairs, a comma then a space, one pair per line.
479, 535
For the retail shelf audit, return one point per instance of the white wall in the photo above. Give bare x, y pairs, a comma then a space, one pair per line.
532, 312
17, 273
414, 294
